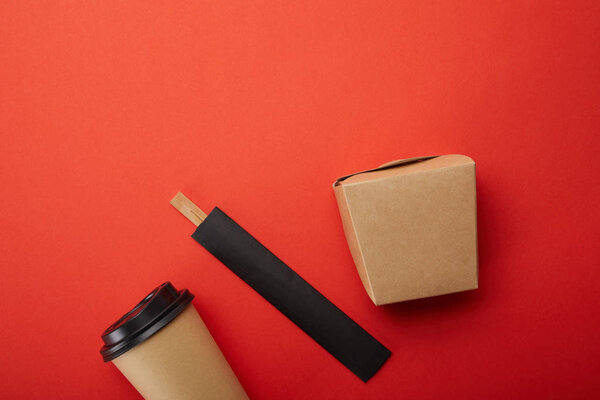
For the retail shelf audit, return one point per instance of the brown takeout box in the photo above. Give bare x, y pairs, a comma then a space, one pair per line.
411, 226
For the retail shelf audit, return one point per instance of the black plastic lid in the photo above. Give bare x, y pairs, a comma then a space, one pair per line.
154, 312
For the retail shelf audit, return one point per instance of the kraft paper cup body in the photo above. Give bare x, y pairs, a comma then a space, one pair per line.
179, 360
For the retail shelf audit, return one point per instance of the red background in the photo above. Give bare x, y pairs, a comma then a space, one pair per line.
107, 109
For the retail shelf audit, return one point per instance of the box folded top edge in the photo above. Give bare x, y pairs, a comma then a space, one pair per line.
390, 164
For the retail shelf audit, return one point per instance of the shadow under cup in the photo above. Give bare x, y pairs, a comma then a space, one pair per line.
164, 349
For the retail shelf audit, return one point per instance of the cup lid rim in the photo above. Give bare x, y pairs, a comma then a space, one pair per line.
151, 314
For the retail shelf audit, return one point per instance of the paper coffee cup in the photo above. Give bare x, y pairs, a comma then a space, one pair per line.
164, 349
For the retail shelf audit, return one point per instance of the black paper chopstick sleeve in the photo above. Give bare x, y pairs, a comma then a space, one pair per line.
289, 293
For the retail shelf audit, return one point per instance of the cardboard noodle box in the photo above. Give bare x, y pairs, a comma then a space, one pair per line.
411, 227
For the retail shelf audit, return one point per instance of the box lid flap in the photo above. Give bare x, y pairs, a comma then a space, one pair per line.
390, 164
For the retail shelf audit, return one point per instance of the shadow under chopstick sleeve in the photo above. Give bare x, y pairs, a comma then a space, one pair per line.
289, 293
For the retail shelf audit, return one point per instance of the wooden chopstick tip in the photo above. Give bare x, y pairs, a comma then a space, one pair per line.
189, 210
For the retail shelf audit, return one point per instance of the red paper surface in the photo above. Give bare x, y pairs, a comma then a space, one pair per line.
108, 108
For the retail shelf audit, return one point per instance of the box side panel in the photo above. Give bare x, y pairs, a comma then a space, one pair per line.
475, 229
352, 240
417, 232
